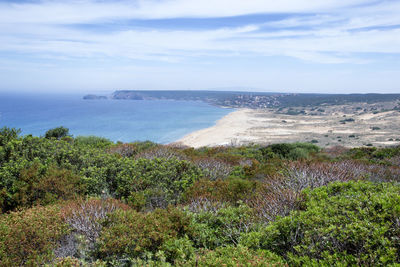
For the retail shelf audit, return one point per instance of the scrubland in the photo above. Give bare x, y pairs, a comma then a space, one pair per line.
87, 201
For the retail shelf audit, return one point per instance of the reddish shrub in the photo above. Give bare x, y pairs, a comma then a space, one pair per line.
230, 190
28, 237
40, 186
229, 158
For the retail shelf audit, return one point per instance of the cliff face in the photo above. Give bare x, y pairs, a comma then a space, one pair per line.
131, 95
94, 97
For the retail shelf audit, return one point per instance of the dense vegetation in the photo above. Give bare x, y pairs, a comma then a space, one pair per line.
68, 201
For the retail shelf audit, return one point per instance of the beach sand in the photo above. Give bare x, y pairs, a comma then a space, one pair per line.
247, 126
225, 132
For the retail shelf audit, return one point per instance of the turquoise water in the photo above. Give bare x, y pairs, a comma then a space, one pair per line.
161, 121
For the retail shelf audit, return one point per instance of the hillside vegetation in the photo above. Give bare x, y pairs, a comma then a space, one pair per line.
87, 201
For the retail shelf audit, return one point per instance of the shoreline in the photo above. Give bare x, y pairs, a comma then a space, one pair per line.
255, 126
226, 131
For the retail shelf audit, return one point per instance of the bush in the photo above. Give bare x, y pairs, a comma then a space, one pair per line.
222, 227
8, 134
230, 190
236, 256
74, 262
57, 133
40, 186
125, 150
84, 218
96, 167
356, 223
272, 200
28, 237
281, 193
161, 151
92, 141
155, 183
131, 234
132, 148
293, 151
373, 154
214, 168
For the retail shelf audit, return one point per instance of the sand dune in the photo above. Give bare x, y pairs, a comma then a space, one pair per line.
246, 126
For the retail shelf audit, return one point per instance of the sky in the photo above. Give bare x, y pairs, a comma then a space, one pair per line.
310, 46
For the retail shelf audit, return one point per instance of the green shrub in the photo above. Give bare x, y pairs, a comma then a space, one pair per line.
373, 154
38, 185
293, 151
361, 152
8, 134
67, 262
74, 262
221, 228
386, 153
96, 167
57, 133
353, 222
178, 249
348, 120
29, 237
155, 183
297, 153
131, 234
236, 256
92, 141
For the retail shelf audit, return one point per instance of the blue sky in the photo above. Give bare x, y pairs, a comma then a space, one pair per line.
320, 46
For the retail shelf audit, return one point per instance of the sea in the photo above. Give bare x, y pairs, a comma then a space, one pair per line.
160, 121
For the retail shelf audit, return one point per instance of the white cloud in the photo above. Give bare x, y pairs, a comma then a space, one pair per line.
322, 31
174, 45
64, 12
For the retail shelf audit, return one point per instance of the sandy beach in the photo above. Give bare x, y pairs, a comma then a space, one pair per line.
246, 126
225, 132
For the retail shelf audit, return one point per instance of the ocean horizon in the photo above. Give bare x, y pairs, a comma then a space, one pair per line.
160, 121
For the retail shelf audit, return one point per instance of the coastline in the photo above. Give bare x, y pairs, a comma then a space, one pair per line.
229, 130
255, 126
